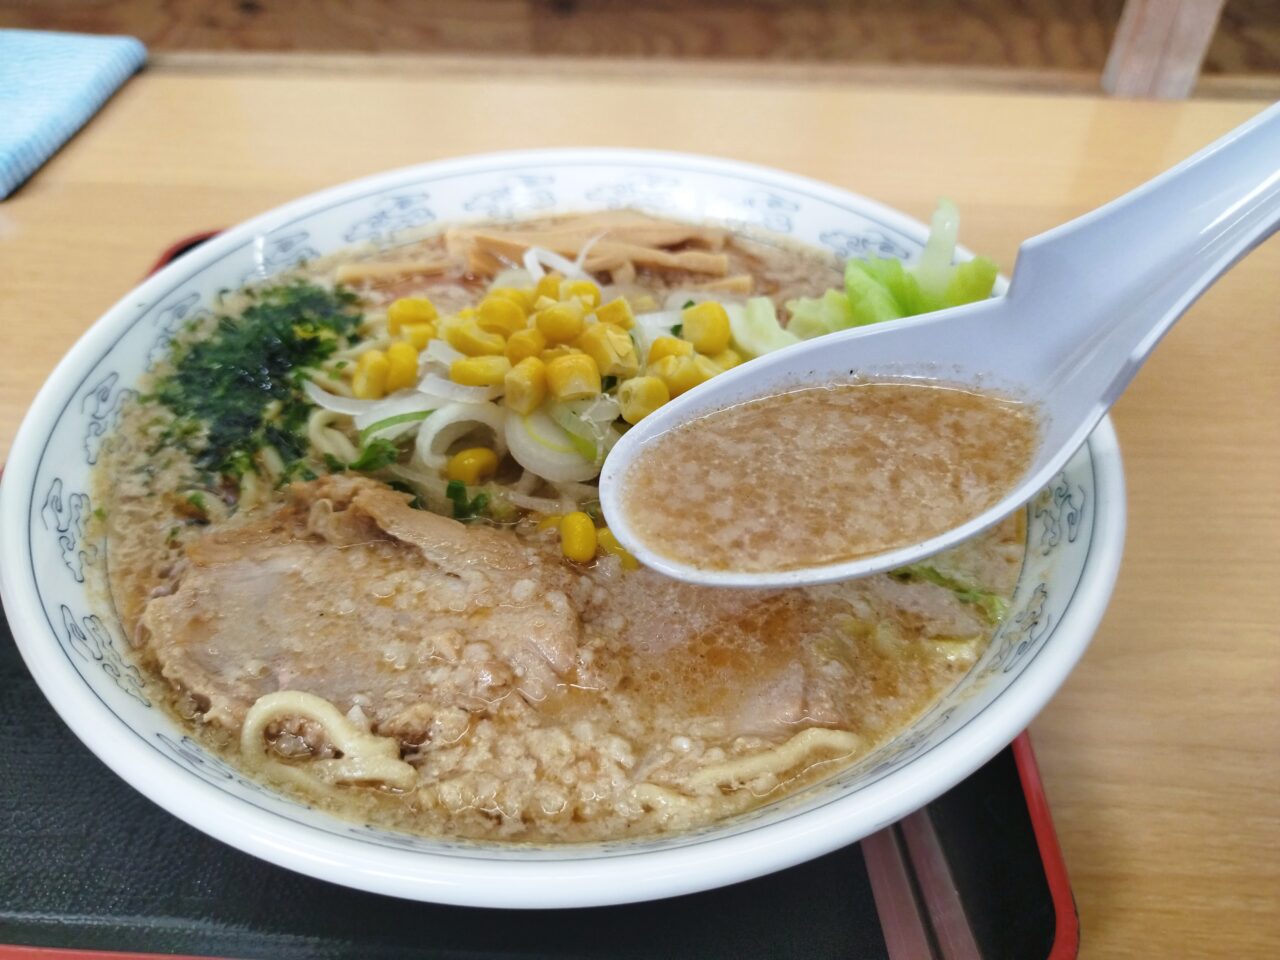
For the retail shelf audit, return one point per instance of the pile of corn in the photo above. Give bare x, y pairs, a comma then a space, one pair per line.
554, 340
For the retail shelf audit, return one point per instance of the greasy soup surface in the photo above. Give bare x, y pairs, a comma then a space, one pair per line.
373, 573
825, 474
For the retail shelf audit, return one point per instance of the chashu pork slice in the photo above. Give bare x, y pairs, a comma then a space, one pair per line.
347, 592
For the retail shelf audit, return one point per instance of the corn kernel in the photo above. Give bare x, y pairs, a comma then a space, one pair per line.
645, 304
402, 366
526, 386
669, 347
584, 290
467, 336
486, 371
681, 374
611, 348
528, 342
574, 377
521, 297
550, 522
578, 537
548, 286
640, 396
541, 303
500, 315
618, 312
562, 322
706, 326
706, 366
559, 350
369, 382
410, 310
473, 465
727, 359
609, 544
419, 334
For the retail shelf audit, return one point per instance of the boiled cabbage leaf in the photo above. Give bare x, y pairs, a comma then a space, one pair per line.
880, 288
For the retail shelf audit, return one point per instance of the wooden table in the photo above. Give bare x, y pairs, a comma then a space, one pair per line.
1162, 752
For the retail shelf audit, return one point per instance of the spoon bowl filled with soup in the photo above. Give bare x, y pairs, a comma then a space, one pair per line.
311, 547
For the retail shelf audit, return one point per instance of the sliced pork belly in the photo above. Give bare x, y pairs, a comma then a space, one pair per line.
350, 594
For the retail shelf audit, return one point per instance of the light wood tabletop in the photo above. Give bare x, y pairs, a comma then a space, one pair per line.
1161, 755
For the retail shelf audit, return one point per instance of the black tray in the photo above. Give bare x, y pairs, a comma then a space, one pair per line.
88, 864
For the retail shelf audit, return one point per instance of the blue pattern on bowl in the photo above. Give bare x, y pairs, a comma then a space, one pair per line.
1060, 522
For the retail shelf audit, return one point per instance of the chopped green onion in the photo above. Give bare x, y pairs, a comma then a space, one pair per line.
378, 454
398, 419
465, 509
582, 435
993, 606
403, 487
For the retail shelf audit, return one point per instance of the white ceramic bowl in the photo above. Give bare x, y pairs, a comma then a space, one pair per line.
76, 652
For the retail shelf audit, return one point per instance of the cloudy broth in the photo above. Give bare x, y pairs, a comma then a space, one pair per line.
821, 475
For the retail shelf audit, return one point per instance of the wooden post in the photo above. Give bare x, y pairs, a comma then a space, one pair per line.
1159, 47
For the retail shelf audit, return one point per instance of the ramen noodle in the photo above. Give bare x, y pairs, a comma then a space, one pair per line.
352, 530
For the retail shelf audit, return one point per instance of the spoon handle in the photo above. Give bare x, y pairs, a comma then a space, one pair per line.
1107, 286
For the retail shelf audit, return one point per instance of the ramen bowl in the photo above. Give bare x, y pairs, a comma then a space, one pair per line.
77, 653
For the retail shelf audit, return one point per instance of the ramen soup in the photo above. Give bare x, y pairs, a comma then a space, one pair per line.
754, 487
352, 529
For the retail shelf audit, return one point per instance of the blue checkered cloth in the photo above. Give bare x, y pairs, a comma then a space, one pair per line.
50, 85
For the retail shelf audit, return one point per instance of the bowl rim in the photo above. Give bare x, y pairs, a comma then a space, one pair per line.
553, 882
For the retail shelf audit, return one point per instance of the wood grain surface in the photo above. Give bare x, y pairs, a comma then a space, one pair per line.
1160, 752
1017, 34
1159, 47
